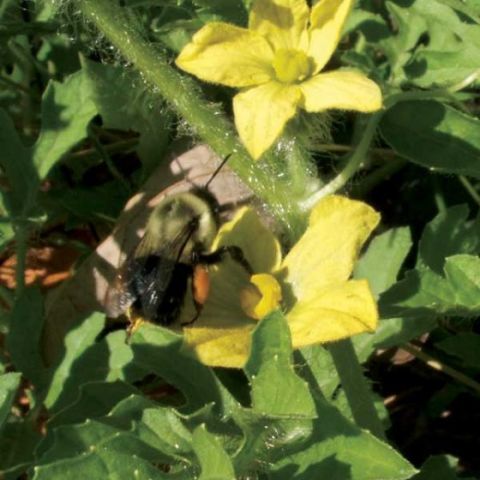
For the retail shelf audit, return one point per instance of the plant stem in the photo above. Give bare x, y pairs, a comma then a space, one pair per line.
437, 365
356, 387
108, 161
15, 85
351, 167
21, 245
209, 123
334, 147
470, 189
120, 146
390, 167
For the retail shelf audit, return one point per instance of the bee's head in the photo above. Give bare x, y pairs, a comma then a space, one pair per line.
183, 213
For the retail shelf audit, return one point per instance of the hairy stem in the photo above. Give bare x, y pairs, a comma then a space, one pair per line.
470, 188
437, 365
209, 123
353, 164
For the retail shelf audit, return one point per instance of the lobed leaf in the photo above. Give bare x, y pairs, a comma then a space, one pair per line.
382, 261
215, 463
67, 109
441, 138
275, 387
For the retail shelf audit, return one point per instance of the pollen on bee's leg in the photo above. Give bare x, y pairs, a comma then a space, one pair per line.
200, 291
261, 297
200, 284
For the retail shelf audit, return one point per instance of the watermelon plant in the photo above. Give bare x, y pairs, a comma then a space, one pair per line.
239, 239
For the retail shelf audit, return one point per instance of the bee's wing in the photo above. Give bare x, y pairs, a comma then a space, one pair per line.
119, 297
160, 273
146, 274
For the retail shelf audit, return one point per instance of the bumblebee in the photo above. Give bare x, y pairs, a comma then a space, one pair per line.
174, 251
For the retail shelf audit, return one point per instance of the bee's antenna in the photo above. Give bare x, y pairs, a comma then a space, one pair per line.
215, 173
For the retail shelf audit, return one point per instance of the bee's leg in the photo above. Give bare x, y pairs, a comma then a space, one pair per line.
200, 290
218, 255
198, 308
134, 323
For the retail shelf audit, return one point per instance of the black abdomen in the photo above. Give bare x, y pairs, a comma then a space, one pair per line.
159, 286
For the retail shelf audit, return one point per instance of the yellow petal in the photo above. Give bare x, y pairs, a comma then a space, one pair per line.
344, 90
262, 112
229, 55
221, 347
257, 242
262, 296
221, 335
326, 24
327, 251
336, 312
282, 22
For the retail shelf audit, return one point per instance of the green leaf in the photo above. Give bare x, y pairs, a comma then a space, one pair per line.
315, 365
93, 203
63, 387
470, 8
159, 350
9, 383
452, 53
128, 108
441, 138
96, 437
425, 293
434, 44
338, 449
444, 69
7, 232
160, 428
449, 233
382, 261
463, 274
5, 6
264, 436
176, 34
18, 441
438, 467
324, 446
150, 434
95, 450
276, 389
95, 399
398, 48
59, 50
443, 282
392, 332
67, 109
106, 360
232, 11
214, 461
114, 466
23, 339
464, 346
16, 162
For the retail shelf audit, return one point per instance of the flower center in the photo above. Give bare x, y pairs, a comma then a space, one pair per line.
291, 65
262, 296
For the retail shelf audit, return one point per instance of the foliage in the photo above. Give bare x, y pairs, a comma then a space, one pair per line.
92, 107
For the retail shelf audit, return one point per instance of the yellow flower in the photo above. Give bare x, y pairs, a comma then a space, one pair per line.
320, 303
276, 61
